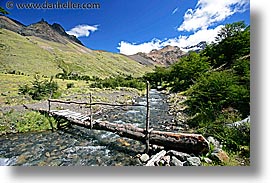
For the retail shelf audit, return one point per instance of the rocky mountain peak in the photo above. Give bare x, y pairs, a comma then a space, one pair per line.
41, 29
164, 56
167, 55
58, 28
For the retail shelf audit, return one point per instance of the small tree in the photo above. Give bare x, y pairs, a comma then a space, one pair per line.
40, 89
233, 42
185, 72
214, 93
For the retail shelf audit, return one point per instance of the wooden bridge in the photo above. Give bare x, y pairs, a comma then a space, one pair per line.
70, 114
189, 143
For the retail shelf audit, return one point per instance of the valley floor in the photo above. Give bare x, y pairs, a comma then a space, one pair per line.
12, 107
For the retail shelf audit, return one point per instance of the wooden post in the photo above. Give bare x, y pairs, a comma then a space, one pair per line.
91, 115
147, 117
49, 107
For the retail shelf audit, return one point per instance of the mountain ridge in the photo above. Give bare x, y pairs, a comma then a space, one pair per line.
163, 57
48, 50
50, 34
42, 29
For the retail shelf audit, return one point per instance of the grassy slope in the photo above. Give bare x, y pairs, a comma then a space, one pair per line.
10, 84
32, 55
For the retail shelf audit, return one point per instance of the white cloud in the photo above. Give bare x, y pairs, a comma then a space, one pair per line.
131, 48
208, 12
175, 11
205, 14
82, 30
207, 35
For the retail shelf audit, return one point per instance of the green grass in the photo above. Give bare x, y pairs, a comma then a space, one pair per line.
30, 121
20, 121
10, 84
31, 55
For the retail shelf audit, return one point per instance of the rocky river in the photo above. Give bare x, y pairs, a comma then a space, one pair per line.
78, 146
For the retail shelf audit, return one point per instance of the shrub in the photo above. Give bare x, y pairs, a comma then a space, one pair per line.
232, 138
215, 92
70, 85
40, 89
181, 75
119, 81
185, 72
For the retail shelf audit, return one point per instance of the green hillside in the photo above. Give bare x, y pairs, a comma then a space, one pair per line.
30, 55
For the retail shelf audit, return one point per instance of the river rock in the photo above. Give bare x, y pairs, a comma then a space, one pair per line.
144, 158
56, 162
194, 161
4, 161
166, 159
156, 147
156, 158
220, 156
215, 142
207, 160
72, 156
175, 162
240, 123
21, 159
179, 155
47, 154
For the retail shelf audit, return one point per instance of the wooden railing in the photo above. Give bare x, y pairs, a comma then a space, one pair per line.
90, 104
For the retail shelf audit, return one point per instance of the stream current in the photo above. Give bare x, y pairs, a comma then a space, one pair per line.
78, 146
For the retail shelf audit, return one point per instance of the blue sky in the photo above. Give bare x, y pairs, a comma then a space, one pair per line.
130, 26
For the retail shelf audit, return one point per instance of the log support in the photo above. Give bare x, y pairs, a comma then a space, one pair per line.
188, 143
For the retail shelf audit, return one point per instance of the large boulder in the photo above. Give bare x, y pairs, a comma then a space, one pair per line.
175, 162
194, 161
179, 155
220, 156
144, 158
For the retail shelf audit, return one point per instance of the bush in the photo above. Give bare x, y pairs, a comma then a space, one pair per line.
233, 138
159, 77
215, 92
181, 75
185, 72
70, 85
119, 81
40, 89
66, 74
